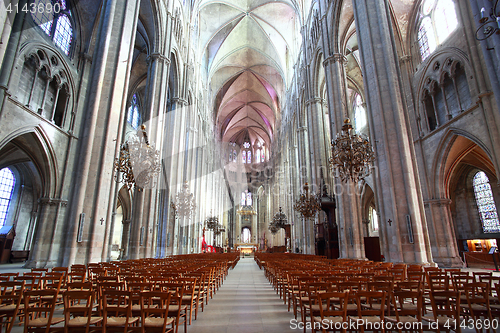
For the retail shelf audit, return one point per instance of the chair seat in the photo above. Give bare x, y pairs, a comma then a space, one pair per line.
366, 319
7, 308
82, 321
403, 319
175, 308
42, 322
120, 321
337, 319
157, 322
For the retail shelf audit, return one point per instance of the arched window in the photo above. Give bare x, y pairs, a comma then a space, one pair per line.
249, 157
53, 17
257, 156
485, 203
373, 218
245, 235
7, 182
359, 113
246, 198
263, 155
438, 20
244, 156
134, 116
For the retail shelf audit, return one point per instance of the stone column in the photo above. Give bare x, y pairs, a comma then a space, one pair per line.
105, 111
351, 242
443, 238
396, 175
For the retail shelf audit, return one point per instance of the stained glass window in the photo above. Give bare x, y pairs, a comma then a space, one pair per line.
53, 17
246, 198
485, 203
249, 155
438, 20
244, 156
246, 145
263, 155
134, 116
257, 156
7, 182
235, 156
374, 218
359, 113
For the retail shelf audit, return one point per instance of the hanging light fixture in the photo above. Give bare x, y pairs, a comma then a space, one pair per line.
489, 22
279, 221
211, 221
184, 201
139, 162
352, 154
308, 204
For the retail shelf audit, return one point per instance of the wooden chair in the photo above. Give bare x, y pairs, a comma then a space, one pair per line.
176, 308
39, 315
478, 302
11, 294
408, 306
78, 308
332, 311
117, 311
189, 297
446, 313
154, 312
371, 308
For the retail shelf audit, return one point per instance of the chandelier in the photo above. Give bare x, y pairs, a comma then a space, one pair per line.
139, 162
212, 222
307, 204
489, 23
184, 201
279, 221
351, 154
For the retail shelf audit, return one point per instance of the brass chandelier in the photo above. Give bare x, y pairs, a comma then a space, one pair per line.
139, 162
184, 201
279, 221
308, 204
352, 154
211, 222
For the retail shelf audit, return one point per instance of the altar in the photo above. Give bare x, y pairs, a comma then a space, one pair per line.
246, 247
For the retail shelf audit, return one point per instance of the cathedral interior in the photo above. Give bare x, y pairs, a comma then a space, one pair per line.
149, 128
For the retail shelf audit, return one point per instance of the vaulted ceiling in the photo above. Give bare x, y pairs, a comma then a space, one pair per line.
248, 48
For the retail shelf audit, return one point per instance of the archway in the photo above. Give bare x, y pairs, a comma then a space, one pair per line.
30, 159
466, 160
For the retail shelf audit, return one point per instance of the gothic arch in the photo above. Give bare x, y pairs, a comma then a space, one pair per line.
450, 151
33, 145
57, 68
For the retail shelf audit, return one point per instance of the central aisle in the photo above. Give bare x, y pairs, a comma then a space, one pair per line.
245, 303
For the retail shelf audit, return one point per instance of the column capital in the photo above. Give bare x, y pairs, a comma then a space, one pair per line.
179, 100
336, 57
438, 202
85, 56
158, 56
404, 58
52, 202
315, 100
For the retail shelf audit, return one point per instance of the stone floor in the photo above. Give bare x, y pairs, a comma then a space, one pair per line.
246, 302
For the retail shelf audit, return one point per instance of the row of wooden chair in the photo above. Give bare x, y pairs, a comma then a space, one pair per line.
437, 293
29, 296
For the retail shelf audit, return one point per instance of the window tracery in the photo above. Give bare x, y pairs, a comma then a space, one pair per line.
56, 22
485, 203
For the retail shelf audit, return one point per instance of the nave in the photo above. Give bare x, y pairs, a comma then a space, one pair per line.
254, 295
